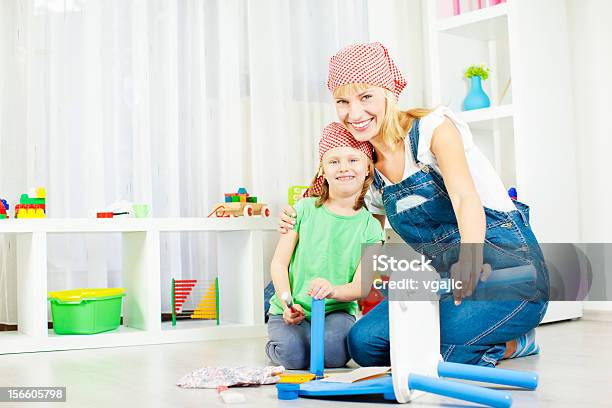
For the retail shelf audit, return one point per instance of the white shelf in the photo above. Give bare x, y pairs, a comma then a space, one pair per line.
483, 24
509, 38
65, 225
487, 118
240, 263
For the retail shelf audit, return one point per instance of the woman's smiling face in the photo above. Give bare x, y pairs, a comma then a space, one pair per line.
362, 111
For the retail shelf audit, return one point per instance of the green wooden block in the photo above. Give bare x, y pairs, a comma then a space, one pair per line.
235, 199
25, 199
252, 199
3, 217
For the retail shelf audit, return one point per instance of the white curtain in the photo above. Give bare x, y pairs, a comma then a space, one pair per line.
170, 103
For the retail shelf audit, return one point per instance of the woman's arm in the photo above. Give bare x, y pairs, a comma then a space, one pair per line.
447, 146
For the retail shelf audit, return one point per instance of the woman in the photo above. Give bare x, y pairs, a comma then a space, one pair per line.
443, 197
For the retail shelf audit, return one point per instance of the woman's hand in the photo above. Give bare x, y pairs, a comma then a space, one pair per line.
469, 270
294, 316
286, 219
320, 289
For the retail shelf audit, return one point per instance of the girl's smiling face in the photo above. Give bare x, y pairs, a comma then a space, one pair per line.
345, 170
362, 111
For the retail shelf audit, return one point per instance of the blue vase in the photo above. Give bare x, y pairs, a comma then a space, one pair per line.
476, 98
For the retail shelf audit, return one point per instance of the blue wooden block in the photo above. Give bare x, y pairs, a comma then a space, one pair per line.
317, 337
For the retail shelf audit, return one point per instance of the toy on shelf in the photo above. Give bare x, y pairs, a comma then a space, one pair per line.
32, 205
108, 214
4, 207
185, 290
86, 311
416, 364
295, 194
240, 204
513, 194
122, 209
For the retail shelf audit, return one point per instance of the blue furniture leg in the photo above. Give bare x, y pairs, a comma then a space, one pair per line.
317, 337
462, 391
523, 379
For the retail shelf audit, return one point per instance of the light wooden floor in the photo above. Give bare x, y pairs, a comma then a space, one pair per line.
575, 370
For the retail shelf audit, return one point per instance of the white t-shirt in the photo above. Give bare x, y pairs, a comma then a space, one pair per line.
489, 186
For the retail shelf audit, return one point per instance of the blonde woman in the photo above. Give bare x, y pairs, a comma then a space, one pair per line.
443, 197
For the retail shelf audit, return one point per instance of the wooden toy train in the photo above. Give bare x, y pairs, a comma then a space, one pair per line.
239, 204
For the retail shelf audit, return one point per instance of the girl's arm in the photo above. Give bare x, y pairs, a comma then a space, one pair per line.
279, 268
321, 288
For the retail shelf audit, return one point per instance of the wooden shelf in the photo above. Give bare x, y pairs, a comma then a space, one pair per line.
489, 23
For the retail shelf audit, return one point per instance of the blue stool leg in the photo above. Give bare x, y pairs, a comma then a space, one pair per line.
525, 379
317, 337
462, 391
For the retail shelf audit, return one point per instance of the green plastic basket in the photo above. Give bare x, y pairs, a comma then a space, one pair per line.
86, 311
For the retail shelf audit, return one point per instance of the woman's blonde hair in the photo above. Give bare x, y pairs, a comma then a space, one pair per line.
359, 201
396, 124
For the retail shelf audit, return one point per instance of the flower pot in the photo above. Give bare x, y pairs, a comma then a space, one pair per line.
476, 98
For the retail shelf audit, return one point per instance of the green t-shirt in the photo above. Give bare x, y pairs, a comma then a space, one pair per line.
329, 247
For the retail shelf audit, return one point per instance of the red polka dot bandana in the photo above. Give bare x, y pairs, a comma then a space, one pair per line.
336, 135
365, 64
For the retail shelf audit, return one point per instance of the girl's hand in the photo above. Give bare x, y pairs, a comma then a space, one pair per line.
286, 219
469, 269
293, 317
320, 289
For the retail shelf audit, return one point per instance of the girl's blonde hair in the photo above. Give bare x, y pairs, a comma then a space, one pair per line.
359, 201
396, 124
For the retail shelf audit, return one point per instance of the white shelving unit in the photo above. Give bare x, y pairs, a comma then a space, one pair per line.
241, 282
527, 133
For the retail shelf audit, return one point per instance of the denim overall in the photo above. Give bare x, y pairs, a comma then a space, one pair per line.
475, 332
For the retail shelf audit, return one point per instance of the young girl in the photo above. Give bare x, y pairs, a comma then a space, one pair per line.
320, 257
438, 191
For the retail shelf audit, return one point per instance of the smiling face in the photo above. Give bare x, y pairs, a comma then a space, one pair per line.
345, 170
361, 109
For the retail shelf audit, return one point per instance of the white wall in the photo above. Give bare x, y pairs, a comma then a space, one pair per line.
590, 36
398, 25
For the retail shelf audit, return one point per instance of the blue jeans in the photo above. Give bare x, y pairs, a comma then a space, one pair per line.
475, 332
289, 345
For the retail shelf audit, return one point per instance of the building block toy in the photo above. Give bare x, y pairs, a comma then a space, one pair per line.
296, 378
371, 301
207, 307
317, 337
32, 205
240, 204
416, 363
295, 194
4, 207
